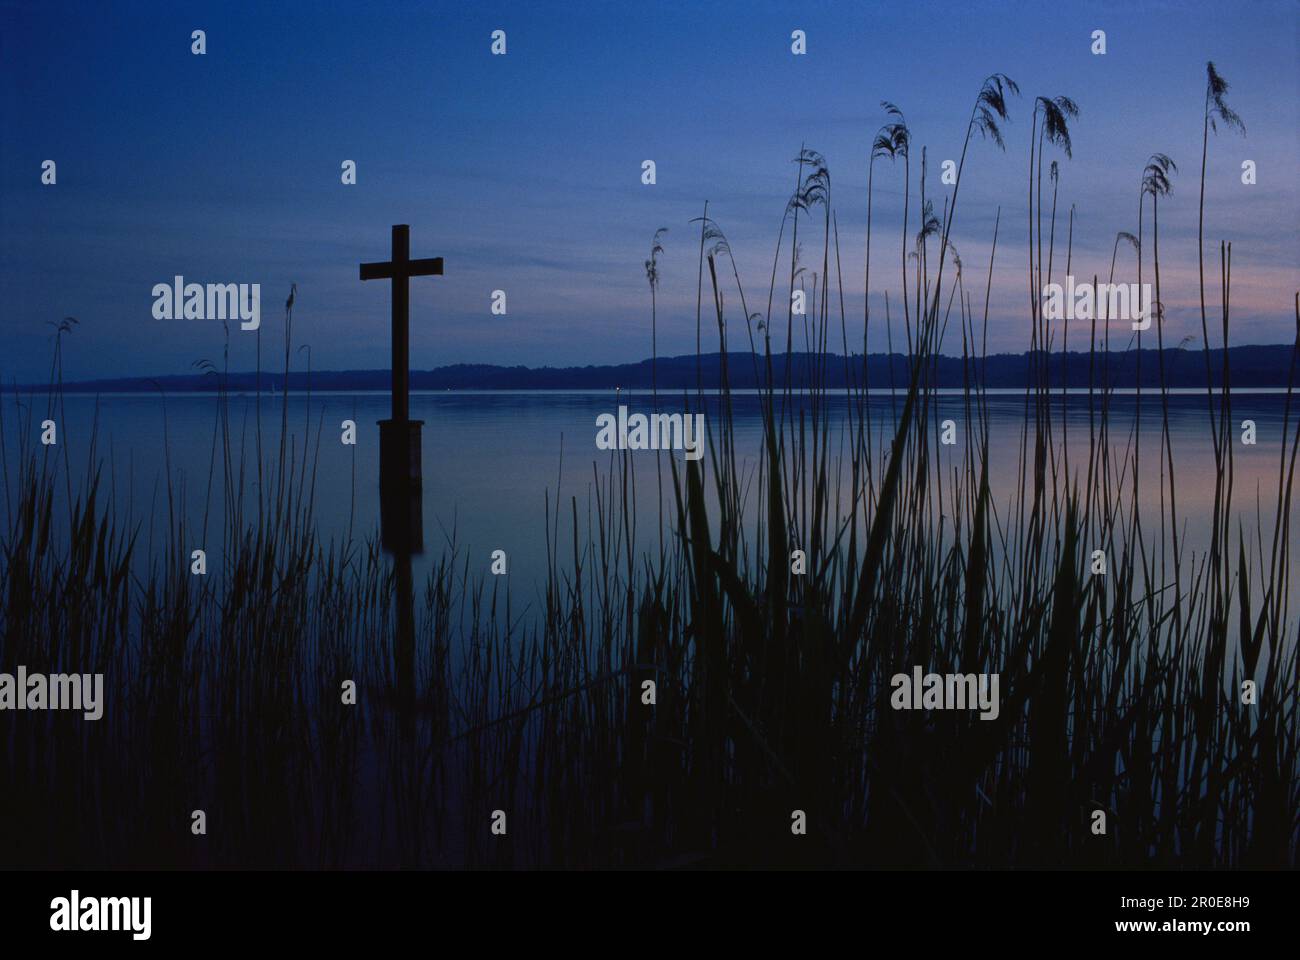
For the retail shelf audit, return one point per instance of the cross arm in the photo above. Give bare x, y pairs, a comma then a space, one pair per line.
428, 267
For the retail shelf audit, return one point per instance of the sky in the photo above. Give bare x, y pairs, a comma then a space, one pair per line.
523, 171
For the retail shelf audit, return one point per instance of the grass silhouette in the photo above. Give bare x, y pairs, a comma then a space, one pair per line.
1119, 691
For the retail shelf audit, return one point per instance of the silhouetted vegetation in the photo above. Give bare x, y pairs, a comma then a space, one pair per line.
1119, 692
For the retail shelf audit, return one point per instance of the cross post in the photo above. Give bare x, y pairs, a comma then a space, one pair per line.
400, 475
400, 269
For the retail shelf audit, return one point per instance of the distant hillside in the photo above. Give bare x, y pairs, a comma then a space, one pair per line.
1252, 366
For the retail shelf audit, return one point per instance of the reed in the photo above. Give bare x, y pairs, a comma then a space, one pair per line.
1119, 692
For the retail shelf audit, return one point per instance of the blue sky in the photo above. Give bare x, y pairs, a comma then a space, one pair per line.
523, 171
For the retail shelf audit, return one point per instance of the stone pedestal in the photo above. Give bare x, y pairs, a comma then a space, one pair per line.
401, 487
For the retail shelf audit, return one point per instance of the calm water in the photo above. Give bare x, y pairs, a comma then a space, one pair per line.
491, 460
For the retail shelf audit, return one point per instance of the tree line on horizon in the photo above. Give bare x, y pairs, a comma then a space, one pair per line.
1253, 366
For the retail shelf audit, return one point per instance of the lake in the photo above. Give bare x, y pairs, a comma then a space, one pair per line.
493, 461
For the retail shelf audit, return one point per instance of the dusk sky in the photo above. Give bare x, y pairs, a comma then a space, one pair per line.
524, 171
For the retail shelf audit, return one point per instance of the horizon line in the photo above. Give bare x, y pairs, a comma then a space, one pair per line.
820, 355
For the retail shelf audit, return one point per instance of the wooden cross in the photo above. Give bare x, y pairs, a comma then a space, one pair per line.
400, 270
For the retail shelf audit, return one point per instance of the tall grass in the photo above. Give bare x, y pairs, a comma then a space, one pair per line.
1119, 692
